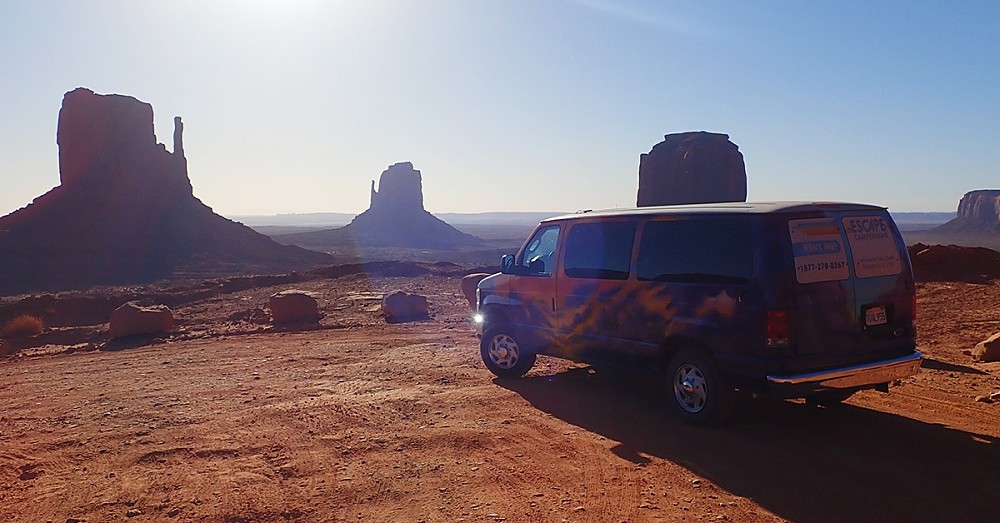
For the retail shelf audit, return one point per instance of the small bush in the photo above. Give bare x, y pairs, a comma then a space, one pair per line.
22, 326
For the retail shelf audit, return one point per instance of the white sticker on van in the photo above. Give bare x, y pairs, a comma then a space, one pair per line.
818, 248
873, 246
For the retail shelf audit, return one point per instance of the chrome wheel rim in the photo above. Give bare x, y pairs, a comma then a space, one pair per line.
503, 351
690, 388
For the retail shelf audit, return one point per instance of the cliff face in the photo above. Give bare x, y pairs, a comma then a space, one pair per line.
124, 211
978, 212
396, 218
693, 167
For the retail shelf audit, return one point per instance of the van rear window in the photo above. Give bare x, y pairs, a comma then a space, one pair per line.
872, 246
700, 251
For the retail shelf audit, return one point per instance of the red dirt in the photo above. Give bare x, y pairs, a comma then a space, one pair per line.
366, 421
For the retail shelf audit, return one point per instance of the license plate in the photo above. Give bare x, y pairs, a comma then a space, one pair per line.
875, 316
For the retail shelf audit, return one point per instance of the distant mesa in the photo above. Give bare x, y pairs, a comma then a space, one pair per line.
124, 211
978, 212
692, 167
395, 218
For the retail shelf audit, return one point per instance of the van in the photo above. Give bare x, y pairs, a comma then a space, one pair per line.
791, 299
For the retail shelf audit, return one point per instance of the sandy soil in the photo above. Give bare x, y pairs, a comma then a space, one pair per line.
366, 421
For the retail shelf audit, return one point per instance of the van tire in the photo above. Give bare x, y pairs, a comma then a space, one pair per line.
698, 391
503, 353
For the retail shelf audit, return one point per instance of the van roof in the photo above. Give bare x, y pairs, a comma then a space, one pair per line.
724, 208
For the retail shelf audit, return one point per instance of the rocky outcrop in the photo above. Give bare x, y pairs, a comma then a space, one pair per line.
978, 212
954, 263
124, 211
395, 218
692, 167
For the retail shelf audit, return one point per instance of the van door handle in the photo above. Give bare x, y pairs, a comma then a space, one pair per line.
553, 304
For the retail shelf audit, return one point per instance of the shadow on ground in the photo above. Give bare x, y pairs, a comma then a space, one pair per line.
801, 462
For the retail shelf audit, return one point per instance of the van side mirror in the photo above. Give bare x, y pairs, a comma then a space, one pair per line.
507, 264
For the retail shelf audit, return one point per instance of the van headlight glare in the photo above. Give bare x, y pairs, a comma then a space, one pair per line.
477, 318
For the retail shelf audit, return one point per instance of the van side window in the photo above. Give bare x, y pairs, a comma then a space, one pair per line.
696, 251
599, 250
538, 256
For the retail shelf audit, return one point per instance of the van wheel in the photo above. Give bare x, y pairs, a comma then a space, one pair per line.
502, 353
699, 392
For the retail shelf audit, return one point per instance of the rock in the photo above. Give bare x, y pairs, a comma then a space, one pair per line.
124, 211
133, 512
395, 218
988, 349
133, 319
995, 396
692, 167
400, 306
978, 212
256, 315
984, 399
469, 284
294, 306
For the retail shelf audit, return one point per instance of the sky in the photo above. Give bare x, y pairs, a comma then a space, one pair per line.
294, 106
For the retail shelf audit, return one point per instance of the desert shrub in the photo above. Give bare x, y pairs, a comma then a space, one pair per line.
22, 326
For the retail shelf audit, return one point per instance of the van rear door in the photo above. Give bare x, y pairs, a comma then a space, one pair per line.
883, 285
853, 298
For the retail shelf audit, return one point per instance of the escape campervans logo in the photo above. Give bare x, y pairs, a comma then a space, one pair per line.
867, 228
873, 246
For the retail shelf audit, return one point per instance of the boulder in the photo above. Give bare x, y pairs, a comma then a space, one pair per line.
988, 349
400, 306
469, 284
692, 167
132, 319
294, 306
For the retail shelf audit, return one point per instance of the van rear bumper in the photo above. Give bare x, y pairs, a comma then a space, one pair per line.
854, 377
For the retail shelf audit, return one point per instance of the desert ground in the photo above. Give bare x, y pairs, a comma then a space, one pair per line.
362, 420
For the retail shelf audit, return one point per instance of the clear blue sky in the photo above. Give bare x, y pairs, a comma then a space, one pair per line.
517, 105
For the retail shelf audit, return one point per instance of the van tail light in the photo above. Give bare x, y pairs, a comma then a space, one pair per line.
779, 328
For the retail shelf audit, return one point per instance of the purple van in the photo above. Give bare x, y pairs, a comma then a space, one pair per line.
807, 300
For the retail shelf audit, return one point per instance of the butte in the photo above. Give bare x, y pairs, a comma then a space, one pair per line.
124, 211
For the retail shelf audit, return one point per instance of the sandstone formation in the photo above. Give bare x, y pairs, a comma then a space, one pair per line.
132, 319
401, 306
124, 211
692, 167
978, 212
395, 218
294, 306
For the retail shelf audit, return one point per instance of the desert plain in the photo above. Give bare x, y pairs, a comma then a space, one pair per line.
358, 419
